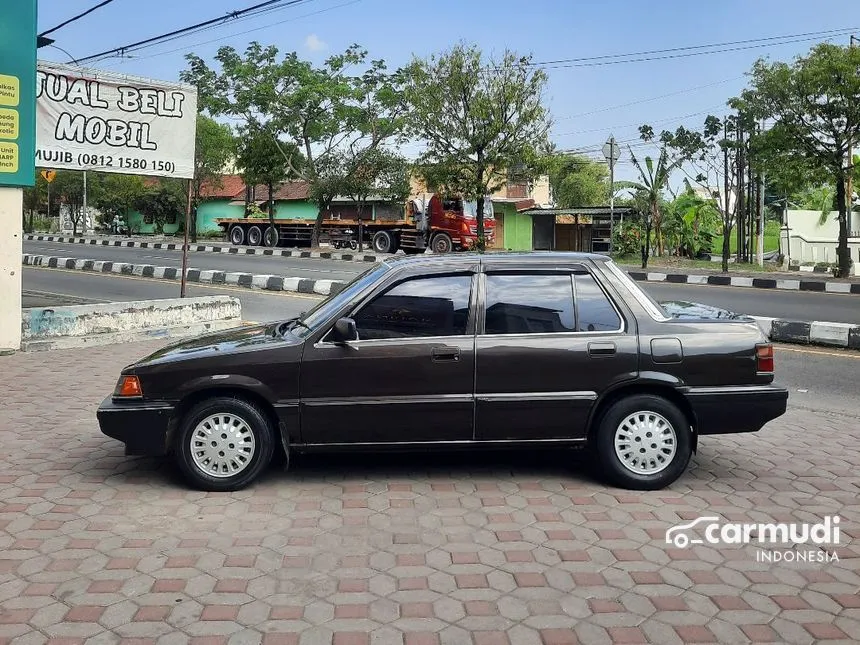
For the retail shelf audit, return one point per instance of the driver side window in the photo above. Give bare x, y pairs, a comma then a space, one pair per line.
422, 307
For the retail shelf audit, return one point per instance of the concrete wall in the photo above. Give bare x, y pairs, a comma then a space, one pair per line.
11, 205
804, 240
77, 326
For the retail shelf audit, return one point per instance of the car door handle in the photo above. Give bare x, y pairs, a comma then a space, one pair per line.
445, 354
601, 349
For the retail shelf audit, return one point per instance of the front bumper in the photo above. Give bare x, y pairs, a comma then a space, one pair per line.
143, 426
744, 408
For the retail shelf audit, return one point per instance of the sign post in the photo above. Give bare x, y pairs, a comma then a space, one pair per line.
612, 152
17, 154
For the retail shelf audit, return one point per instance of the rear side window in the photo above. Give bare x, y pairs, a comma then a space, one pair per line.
529, 304
595, 311
435, 306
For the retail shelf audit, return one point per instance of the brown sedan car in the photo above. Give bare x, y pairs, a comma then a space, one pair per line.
474, 351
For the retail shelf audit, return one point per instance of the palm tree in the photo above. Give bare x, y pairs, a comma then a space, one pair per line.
653, 180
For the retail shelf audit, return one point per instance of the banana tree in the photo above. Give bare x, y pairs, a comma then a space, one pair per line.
653, 181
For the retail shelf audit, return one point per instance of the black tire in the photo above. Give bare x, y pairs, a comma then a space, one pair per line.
271, 237
384, 242
255, 236
625, 475
237, 235
253, 419
442, 243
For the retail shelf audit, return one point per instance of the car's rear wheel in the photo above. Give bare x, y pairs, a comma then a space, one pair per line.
224, 443
643, 442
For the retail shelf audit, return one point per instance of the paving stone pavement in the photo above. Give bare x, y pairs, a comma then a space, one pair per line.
512, 549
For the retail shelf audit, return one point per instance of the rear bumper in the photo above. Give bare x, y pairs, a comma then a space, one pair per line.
143, 426
726, 410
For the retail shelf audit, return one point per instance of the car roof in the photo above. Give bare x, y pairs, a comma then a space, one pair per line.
494, 258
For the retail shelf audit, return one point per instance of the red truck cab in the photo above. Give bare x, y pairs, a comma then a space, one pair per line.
451, 223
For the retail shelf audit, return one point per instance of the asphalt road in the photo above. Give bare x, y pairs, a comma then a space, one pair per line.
257, 306
314, 269
793, 305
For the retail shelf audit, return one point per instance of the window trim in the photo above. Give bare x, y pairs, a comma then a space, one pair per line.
621, 322
481, 330
470, 321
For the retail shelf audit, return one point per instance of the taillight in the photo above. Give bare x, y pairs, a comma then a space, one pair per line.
764, 358
128, 386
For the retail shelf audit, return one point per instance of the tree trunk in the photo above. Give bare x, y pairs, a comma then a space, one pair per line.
727, 236
646, 250
30, 227
193, 224
315, 234
842, 252
271, 209
479, 214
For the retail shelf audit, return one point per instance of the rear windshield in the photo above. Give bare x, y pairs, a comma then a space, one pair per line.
643, 297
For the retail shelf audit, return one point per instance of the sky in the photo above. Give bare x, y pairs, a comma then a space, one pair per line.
587, 103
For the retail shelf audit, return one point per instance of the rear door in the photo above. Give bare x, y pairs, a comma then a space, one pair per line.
549, 342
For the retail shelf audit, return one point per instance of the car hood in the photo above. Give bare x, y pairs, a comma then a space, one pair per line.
225, 342
683, 309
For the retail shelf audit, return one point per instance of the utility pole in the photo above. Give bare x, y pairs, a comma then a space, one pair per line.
849, 188
740, 199
612, 152
760, 214
84, 225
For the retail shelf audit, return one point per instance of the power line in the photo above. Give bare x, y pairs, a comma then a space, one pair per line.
632, 125
74, 18
248, 31
649, 99
586, 61
256, 9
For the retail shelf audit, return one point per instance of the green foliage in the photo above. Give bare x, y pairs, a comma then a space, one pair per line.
162, 202
114, 195
578, 181
377, 172
629, 238
479, 118
68, 188
691, 225
326, 113
214, 146
813, 101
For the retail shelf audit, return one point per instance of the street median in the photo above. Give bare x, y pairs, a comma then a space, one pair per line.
198, 276
47, 328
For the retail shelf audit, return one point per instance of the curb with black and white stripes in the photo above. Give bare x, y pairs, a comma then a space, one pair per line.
206, 248
201, 276
827, 286
784, 284
786, 331
829, 334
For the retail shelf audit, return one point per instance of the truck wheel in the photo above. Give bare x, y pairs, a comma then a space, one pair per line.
643, 442
271, 236
237, 235
384, 242
442, 244
224, 444
255, 236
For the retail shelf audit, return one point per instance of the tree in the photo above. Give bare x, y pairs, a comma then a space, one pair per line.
161, 202
116, 195
578, 181
33, 198
68, 188
329, 115
213, 148
380, 173
814, 104
261, 160
653, 179
479, 119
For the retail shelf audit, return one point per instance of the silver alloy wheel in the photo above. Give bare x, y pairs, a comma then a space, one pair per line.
645, 443
222, 445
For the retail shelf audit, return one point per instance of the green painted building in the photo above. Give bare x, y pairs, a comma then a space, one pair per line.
514, 229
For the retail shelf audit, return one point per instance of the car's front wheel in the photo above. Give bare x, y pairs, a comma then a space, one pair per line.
643, 442
223, 444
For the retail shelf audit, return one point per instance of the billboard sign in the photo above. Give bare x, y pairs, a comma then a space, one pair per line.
17, 103
94, 120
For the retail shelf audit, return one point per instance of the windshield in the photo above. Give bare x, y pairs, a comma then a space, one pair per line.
326, 308
470, 209
648, 303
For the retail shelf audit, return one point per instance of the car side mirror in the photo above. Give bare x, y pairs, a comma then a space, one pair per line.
344, 331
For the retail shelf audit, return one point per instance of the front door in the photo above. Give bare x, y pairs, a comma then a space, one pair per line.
550, 343
409, 377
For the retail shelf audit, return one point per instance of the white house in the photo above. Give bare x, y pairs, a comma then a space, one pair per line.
803, 239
